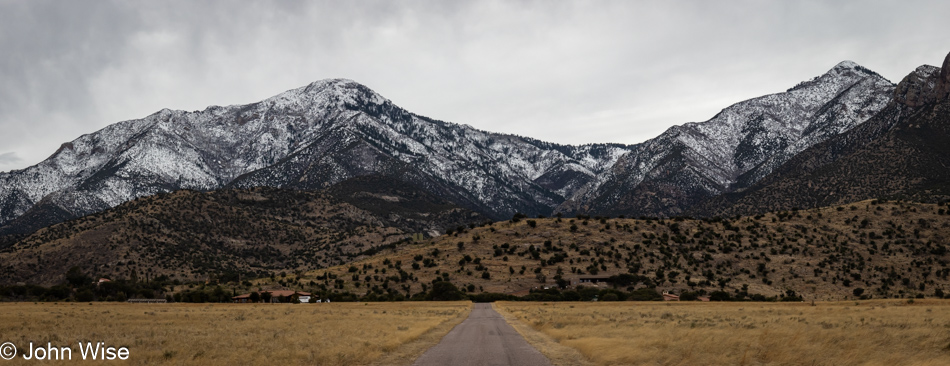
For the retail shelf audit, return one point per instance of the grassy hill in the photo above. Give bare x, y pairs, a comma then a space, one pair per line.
315, 242
222, 235
870, 248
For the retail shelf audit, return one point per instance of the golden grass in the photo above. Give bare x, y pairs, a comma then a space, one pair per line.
556, 352
844, 333
235, 334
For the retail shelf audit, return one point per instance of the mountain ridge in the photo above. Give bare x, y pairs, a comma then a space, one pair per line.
741, 144
328, 131
212, 148
387, 175
899, 153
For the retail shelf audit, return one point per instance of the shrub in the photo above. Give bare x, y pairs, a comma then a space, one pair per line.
645, 294
720, 296
445, 291
85, 295
689, 296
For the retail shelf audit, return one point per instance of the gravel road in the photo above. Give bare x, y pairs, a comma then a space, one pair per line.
485, 338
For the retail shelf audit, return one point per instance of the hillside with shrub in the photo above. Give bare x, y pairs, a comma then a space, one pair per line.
868, 249
226, 235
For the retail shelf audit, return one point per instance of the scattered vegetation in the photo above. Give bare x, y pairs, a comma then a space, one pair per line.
864, 250
217, 236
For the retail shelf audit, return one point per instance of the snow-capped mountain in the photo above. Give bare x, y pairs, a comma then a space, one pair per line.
332, 130
736, 148
310, 137
902, 152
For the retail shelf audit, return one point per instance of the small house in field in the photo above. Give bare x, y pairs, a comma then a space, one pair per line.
670, 297
288, 295
276, 296
241, 298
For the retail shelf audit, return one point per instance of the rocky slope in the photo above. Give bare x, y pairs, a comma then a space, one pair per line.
904, 151
330, 131
690, 163
306, 138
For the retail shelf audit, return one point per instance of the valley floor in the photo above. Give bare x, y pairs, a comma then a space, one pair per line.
876, 332
880, 332
235, 334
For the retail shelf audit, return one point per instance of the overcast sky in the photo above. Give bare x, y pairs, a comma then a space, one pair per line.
562, 71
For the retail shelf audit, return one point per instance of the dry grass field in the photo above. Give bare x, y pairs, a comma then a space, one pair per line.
892, 332
236, 334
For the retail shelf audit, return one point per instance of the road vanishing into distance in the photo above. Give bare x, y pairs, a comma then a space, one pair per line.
484, 339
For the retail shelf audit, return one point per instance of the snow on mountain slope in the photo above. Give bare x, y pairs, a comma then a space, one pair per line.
332, 130
735, 148
901, 152
209, 149
493, 173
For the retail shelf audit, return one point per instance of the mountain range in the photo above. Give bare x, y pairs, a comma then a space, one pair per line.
902, 152
307, 138
844, 135
742, 144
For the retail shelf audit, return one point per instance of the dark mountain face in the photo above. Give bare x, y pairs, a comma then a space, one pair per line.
904, 152
691, 163
307, 138
192, 235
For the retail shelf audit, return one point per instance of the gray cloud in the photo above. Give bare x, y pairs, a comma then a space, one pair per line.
564, 71
9, 158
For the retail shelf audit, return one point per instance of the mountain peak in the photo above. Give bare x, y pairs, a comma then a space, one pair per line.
332, 83
338, 91
847, 64
943, 81
918, 87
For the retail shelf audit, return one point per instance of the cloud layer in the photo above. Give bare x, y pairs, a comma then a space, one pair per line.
563, 71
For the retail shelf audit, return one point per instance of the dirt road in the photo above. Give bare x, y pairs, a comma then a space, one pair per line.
483, 339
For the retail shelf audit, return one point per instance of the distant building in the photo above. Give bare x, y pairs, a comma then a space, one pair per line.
667, 296
275, 296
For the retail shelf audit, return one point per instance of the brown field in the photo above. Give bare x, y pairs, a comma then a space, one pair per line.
236, 334
892, 332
